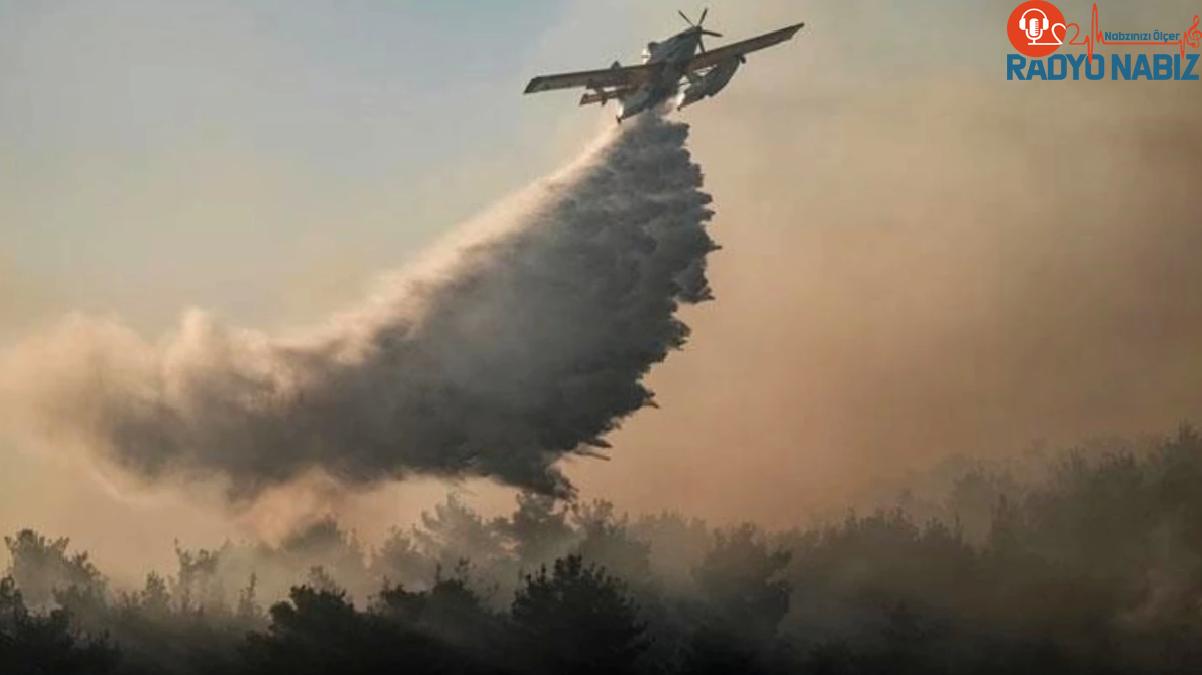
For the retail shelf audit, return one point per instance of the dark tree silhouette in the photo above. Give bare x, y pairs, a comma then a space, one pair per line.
398, 560
42, 566
451, 613
744, 598
606, 542
539, 529
32, 644
577, 619
1092, 565
319, 631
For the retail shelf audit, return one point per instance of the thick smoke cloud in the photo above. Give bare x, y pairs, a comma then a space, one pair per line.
526, 343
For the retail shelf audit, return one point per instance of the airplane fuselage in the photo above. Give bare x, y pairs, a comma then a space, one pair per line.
670, 59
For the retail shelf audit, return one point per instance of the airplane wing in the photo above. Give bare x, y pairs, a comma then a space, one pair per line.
714, 56
622, 76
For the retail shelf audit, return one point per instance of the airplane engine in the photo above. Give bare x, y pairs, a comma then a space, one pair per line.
711, 82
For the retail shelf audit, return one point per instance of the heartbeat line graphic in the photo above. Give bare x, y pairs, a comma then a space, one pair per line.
1191, 37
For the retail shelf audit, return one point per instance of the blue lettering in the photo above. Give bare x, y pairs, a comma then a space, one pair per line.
1014, 66
1075, 60
1188, 73
1055, 73
1142, 68
1162, 67
1158, 67
1120, 64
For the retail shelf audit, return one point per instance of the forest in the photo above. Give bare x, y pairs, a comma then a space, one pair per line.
1083, 560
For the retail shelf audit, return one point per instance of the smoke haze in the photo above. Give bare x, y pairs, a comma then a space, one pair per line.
941, 262
526, 340
921, 258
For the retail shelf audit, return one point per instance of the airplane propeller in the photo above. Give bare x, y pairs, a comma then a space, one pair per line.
698, 27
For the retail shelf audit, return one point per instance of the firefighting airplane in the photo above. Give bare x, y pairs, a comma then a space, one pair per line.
638, 88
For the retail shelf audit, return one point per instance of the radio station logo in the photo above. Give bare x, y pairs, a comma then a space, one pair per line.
1036, 28
1044, 41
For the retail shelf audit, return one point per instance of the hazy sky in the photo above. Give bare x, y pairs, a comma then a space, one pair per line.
921, 258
